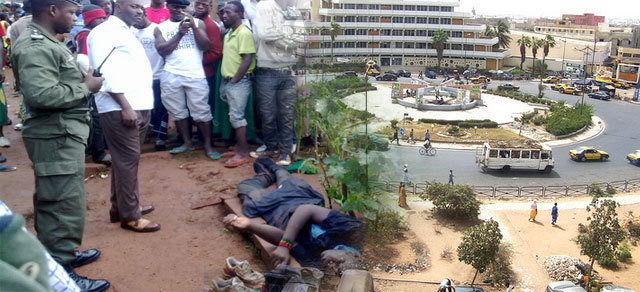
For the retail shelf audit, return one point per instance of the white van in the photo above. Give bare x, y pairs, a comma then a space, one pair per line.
507, 156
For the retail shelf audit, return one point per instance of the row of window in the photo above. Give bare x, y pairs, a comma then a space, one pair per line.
526, 154
395, 45
398, 32
394, 7
564, 30
388, 19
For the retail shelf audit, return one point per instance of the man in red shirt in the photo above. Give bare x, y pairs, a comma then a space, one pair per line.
157, 12
214, 54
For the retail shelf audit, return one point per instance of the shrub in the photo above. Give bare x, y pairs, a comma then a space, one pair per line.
387, 226
566, 120
453, 130
462, 123
394, 124
595, 190
454, 201
608, 261
409, 118
624, 253
539, 120
500, 271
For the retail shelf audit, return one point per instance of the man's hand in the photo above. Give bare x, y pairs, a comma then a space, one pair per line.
191, 21
93, 83
185, 25
280, 256
129, 117
235, 222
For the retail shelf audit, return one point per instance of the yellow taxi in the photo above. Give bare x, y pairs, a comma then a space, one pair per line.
558, 86
551, 79
373, 72
621, 85
571, 90
634, 157
584, 153
479, 79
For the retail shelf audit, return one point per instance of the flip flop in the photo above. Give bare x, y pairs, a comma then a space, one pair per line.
7, 168
213, 155
179, 150
2, 159
228, 154
235, 162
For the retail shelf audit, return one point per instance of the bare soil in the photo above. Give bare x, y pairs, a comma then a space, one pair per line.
439, 133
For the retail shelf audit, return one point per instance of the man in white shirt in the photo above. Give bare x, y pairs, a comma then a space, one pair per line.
274, 78
181, 40
124, 104
159, 116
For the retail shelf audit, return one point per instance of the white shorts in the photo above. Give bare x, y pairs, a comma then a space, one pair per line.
184, 97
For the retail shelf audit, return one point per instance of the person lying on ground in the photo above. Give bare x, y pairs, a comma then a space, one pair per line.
314, 235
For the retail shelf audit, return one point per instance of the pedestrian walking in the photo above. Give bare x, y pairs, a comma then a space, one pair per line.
554, 214
445, 286
534, 211
57, 95
395, 137
451, 176
405, 176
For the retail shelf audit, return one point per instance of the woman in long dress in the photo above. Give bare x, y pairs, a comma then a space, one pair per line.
534, 211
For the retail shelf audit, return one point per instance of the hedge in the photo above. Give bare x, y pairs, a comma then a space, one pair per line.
462, 123
566, 120
524, 97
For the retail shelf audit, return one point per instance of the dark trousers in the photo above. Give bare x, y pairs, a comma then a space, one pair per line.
257, 185
59, 199
97, 144
276, 94
124, 144
159, 116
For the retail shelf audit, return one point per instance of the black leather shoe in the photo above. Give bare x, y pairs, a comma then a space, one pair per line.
88, 285
84, 257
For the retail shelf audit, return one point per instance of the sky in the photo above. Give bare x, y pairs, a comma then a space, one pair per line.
611, 9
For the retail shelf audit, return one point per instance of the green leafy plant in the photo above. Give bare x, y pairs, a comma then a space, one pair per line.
602, 235
385, 228
500, 270
453, 130
624, 253
454, 201
595, 190
566, 120
480, 245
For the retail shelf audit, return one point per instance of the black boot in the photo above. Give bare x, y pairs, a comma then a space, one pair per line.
86, 284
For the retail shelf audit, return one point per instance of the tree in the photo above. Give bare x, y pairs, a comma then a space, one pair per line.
548, 42
332, 31
535, 45
479, 246
601, 237
455, 201
502, 32
524, 42
439, 39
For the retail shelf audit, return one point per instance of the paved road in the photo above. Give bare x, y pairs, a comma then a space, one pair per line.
619, 138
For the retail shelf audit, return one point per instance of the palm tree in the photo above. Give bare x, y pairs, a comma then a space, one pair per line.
524, 42
502, 32
439, 39
332, 30
535, 45
549, 42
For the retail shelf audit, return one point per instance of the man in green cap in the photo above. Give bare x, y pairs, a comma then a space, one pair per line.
55, 134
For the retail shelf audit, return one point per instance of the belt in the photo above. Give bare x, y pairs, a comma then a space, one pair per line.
243, 76
284, 71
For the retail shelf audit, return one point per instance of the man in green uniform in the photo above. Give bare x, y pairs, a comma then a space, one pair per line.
55, 134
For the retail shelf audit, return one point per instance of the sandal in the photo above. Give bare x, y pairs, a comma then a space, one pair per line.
235, 162
228, 154
179, 150
213, 155
7, 168
140, 225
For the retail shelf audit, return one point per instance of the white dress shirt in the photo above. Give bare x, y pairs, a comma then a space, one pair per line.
127, 70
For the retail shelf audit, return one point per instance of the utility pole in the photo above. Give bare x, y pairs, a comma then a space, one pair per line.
564, 49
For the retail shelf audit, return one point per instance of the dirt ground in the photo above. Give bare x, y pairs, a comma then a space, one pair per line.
192, 244
532, 242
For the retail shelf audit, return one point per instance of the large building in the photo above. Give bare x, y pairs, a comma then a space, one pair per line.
398, 34
585, 19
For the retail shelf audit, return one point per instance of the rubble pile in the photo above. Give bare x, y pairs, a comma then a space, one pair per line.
565, 268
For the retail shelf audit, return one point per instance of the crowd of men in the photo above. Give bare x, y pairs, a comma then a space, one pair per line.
132, 68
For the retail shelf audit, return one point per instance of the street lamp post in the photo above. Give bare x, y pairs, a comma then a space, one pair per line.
564, 49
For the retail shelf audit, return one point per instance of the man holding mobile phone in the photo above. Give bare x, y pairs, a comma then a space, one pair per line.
181, 41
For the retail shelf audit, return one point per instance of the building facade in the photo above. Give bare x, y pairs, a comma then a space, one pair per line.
589, 19
398, 34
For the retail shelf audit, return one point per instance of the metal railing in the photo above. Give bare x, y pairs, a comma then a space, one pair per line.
506, 192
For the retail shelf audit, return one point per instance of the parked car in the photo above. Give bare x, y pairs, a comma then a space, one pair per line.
430, 75
600, 95
347, 74
571, 90
394, 72
404, 73
509, 86
480, 79
564, 286
558, 86
613, 288
584, 153
634, 157
387, 77
551, 79
621, 84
